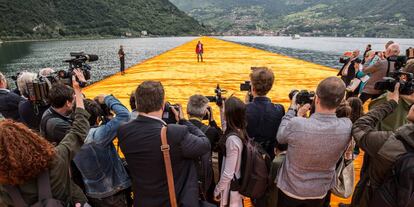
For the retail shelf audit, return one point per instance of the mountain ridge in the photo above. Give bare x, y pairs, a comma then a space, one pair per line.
355, 18
36, 19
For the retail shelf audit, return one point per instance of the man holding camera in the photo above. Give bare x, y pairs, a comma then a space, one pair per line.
315, 145
377, 72
140, 141
197, 110
397, 118
383, 148
263, 116
56, 121
98, 158
9, 101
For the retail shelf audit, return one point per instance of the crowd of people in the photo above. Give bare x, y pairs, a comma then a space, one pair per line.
61, 153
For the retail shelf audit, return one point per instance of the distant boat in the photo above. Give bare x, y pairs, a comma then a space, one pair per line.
295, 37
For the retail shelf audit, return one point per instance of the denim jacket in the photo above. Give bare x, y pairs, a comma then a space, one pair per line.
98, 161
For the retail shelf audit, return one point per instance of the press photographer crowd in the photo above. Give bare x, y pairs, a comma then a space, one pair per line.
57, 149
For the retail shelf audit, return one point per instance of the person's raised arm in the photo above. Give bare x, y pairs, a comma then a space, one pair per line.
106, 133
373, 68
73, 140
364, 130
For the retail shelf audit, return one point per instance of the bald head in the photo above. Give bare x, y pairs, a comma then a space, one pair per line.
388, 44
331, 92
393, 50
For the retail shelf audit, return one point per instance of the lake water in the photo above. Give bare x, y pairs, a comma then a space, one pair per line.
32, 56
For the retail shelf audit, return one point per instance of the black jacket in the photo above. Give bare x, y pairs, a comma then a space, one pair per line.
31, 115
382, 148
54, 126
140, 142
263, 120
9, 104
213, 132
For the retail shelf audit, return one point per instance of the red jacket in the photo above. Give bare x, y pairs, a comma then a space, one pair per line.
199, 49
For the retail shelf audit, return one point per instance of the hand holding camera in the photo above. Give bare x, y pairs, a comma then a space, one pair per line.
79, 74
395, 95
177, 113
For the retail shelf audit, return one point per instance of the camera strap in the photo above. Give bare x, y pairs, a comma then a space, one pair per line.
165, 148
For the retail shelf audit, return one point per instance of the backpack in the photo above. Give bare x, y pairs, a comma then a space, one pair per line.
255, 167
204, 169
44, 194
398, 189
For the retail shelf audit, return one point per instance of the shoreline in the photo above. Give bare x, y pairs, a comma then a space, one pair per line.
160, 36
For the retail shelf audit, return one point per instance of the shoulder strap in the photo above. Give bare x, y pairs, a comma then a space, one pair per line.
15, 195
43, 123
43, 185
204, 128
165, 148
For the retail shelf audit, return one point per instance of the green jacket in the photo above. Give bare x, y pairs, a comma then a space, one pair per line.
382, 149
395, 119
62, 186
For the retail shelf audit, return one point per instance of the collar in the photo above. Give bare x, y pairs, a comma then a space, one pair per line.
261, 99
196, 119
5, 89
320, 115
64, 117
154, 117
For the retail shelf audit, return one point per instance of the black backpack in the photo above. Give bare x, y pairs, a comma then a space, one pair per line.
398, 189
44, 194
255, 167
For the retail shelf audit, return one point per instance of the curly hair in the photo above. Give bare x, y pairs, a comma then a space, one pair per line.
23, 153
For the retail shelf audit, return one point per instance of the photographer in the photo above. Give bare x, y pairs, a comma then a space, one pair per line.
263, 116
98, 158
348, 70
398, 117
27, 157
9, 101
140, 142
377, 72
56, 120
197, 109
383, 149
315, 145
30, 113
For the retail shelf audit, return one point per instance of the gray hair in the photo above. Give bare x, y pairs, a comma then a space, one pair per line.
197, 106
2, 77
46, 71
23, 79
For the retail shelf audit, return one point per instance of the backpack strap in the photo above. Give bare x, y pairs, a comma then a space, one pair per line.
15, 195
43, 186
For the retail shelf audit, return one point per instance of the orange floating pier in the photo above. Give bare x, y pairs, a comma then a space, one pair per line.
227, 64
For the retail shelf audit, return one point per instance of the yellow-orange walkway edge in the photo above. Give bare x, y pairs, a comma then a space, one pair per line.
225, 63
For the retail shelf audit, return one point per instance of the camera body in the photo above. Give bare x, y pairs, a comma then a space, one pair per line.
401, 61
218, 99
303, 96
406, 81
246, 86
343, 60
168, 115
78, 61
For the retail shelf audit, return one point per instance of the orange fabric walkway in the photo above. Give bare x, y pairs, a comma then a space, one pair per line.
226, 63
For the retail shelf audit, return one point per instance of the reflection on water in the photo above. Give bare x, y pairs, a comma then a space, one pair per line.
52, 53
12, 52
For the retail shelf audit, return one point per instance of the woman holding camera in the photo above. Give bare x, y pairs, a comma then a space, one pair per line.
234, 124
29, 163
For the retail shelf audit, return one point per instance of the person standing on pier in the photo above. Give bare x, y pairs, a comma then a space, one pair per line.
121, 54
199, 51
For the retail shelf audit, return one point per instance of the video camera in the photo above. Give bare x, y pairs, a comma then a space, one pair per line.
218, 97
303, 97
406, 81
246, 86
79, 61
168, 115
401, 61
